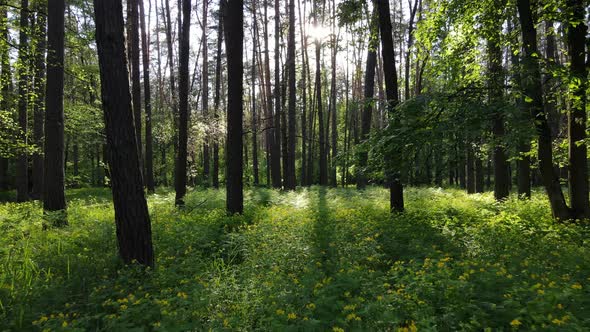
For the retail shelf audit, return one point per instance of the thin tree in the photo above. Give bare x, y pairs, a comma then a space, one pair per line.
277, 88
320, 111
234, 35
5, 86
205, 93
38, 106
147, 98
134, 234
183, 86
253, 85
22, 174
216, 110
363, 155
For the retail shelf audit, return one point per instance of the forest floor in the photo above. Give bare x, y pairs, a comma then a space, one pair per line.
312, 260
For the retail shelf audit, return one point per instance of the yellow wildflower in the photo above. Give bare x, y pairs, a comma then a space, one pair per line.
280, 312
291, 315
337, 329
577, 286
515, 323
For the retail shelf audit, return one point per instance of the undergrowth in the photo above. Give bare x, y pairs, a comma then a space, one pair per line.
311, 260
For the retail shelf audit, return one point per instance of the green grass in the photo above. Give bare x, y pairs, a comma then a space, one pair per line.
312, 260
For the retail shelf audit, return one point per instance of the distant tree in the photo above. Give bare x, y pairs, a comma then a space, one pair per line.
147, 98
39, 34
22, 173
216, 110
234, 34
205, 95
134, 234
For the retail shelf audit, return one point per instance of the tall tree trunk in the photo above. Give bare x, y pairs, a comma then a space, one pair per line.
54, 177
171, 66
303, 99
133, 36
532, 88
38, 107
549, 82
215, 173
134, 234
578, 153
5, 87
22, 174
413, 9
501, 176
149, 150
369, 93
205, 93
183, 107
320, 111
333, 106
393, 174
272, 132
234, 35
253, 84
290, 181
277, 88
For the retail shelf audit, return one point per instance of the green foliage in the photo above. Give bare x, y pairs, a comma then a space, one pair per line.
314, 259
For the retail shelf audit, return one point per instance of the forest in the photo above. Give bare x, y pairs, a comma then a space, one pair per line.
294, 165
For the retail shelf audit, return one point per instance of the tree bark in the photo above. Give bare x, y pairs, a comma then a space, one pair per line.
131, 212
183, 107
234, 35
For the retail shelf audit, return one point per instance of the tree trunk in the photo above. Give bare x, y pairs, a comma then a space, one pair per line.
369, 93
495, 86
290, 180
304, 142
272, 132
333, 106
393, 175
131, 212
479, 175
578, 153
277, 88
320, 111
253, 85
234, 35
22, 174
532, 88
173, 91
215, 173
5, 87
38, 108
205, 93
183, 107
149, 150
470, 170
133, 36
